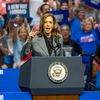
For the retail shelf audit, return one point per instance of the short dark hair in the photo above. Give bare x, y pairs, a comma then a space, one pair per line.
63, 1
78, 10
41, 7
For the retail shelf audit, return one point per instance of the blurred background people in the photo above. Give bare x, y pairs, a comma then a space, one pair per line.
20, 21
3, 49
8, 43
44, 8
70, 47
64, 5
2, 21
22, 37
88, 42
76, 22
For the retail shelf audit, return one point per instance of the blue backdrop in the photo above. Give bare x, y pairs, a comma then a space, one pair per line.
9, 87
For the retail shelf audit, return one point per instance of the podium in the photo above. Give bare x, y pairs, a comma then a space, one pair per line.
34, 77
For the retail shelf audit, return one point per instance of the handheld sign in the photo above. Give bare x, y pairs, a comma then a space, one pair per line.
61, 16
14, 9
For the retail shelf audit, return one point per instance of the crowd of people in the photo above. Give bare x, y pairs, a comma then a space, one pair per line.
21, 38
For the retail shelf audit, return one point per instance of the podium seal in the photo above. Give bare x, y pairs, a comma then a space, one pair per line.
57, 72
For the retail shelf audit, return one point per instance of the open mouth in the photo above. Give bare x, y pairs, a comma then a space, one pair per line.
47, 29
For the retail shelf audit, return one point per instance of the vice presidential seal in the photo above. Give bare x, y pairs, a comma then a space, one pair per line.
57, 72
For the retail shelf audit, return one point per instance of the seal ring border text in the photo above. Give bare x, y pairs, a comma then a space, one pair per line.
65, 69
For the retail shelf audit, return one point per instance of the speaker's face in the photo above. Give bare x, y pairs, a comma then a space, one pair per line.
48, 25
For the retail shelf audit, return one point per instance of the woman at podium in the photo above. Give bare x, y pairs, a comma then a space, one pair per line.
47, 41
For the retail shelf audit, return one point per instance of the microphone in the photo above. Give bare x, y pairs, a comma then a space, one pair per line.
50, 43
55, 48
58, 46
58, 43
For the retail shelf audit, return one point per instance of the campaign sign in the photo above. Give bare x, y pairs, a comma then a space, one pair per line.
14, 9
61, 16
93, 3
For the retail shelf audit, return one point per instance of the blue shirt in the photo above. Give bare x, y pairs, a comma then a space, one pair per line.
17, 50
88, 43
75, 27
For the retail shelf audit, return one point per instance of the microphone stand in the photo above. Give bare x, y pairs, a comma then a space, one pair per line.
55, 48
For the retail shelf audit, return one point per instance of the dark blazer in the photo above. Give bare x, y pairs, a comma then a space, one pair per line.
39, 47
